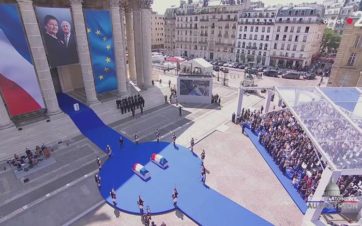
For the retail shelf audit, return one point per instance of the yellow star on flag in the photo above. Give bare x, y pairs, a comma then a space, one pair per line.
89, 30
100, 77
104, 38
108, 47
98, 32
106, 69
108, 59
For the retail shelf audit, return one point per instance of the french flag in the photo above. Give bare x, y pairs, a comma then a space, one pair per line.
19, 85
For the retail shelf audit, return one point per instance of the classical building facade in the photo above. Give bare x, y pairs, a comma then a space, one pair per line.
347, 67
132, 15
157, 31
254, 38
170, 31
208, 32
297, 36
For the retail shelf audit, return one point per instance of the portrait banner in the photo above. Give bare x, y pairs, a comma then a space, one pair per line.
100, 41
57, 29
194, 87
19, 85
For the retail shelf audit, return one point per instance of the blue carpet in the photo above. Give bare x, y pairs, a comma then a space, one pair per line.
204, 205
285, 181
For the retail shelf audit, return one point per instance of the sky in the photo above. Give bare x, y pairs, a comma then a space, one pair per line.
161, 5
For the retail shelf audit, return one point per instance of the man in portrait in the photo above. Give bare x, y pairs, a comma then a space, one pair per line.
68, 38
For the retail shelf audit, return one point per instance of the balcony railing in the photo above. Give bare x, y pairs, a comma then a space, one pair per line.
227, 19
256, 16
257, 23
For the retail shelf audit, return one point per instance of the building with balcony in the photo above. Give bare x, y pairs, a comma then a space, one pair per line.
347, 67
208, 32
297, 36
157, 31
254, 36
170, 31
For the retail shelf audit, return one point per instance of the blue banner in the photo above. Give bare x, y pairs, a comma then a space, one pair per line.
19, 85
100, 40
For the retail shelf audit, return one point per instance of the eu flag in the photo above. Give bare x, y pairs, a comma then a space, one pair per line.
100, 40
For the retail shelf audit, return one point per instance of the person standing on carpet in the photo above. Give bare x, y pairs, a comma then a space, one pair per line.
121, 140
192, 143
109, 151
113, 196
136, 138
157, 135
174, 197
174, 138
140, 204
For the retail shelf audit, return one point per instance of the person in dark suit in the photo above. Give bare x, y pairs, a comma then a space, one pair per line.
55, 46
69, 42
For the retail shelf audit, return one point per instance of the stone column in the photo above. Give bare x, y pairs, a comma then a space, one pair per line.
138, 45
117, 14
83, 51
130, 43
5, 121
142, 37
39, 56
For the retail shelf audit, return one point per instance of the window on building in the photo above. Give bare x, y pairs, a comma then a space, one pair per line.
284, 37
239, 44
260, 46
306, 30
266, 47
275, 46
298, 29
358, 42
291, 29
239, 36
304, 38
296, 38
286, 29
267, 37
277, 37
288, 47
255, 37
256, 29
268, 30
243, 45
302, 48
290, 38
262, 37
245, 28
282, 47
244, 36
351, 59
251, 28
250, 37
278, 29
294, 47
263, 29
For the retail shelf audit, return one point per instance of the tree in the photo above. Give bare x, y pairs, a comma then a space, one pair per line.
330, 41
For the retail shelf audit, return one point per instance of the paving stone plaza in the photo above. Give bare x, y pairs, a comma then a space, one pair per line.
245, 179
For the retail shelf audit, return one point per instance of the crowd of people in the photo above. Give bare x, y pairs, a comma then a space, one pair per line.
350, 186
290, 148
293, 151
30, 158
338, 138
131, 103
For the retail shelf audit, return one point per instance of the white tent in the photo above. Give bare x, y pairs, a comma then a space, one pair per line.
197, 66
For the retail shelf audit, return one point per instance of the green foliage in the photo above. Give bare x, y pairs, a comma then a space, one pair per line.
330, 41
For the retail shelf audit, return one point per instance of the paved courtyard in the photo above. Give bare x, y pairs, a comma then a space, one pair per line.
64, 193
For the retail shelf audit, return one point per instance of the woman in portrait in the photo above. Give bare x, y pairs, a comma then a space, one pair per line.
55, 47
